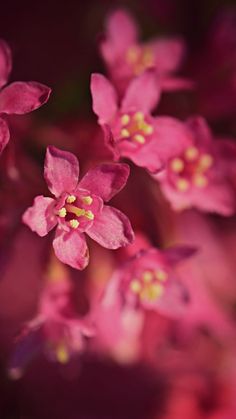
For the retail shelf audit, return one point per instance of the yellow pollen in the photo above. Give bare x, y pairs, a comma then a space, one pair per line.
125, 133
139, 138
70, 199
132, 54
191, 153
79, 212
161, 275
87, 200
62, 212
125, 119
206, 161
148, 57
177, 165
62, 354
74, 223
89, 215
135, 286
138, 116
182, 184
200, 181
148, 129
152, 292
147, 276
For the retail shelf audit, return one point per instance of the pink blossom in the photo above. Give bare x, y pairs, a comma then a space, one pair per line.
78, 207
149, 281
130, 130
18, 97
200, 177
127, 57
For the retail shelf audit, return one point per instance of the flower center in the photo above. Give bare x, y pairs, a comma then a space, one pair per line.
140, 59
149, 286
191, 169
134, 126
76, 212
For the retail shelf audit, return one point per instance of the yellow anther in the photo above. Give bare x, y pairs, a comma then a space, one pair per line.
161, 275
74, 223
125, 119
177, 165
70, 199
139, 138
62, 354
132, 54
125, 133
148, 57
62, 212
87, 200
148, 129
152, 292
79, 212
182, 184
139, 116
135, 286
147, 276
89, 215
200, 181
191, 153
206, 161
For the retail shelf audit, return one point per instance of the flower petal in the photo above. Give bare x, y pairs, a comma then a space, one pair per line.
4, 134
200, 130
106, 180
40, 217
142, 94
21, 97
176, 254
104, 98
71, 248
61, 170
111, 229
5, 62
169, 53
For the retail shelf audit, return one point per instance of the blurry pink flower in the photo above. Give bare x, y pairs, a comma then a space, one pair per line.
135, 134
18, 97
126, 57
149, 281
200, 176
78, 207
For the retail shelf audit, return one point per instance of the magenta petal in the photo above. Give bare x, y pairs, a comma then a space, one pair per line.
201, 131
121, 30
142, 94
169, 53
5, 62
21, 97
104, 98
176, 254
40, 217
61, 170
106, 180
4, 134
71, 248
111, 229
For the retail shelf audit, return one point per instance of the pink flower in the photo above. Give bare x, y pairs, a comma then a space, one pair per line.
126, 57
149, 281
18, 97
200, 176
135, 134
78, 207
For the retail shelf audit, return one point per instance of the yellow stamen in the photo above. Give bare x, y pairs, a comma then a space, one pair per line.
191, 153
125, 133
62, 354
74, 223
200, 181
147, 276
70, 199
87, 200
177, 165
139, 116
152, 292
135, 286
182, 184
62, 212
148, 57
89, 215
148, 129
161, 275
132, 54
125, 119
79, 212
206, 161
139, 138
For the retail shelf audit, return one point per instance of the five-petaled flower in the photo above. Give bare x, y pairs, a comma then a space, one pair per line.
200, 177
149, 280
130, 130
126, 57
78, 207
17, 97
